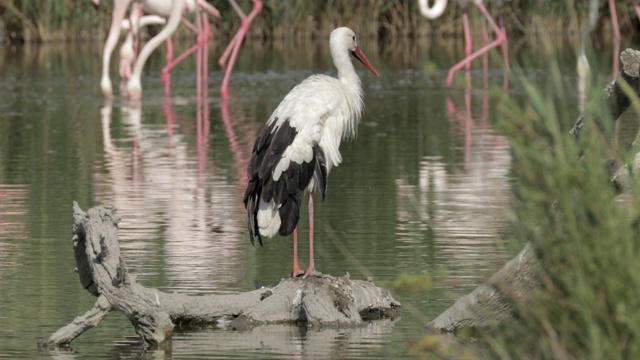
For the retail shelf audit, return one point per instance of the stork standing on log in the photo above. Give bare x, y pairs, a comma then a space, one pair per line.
299, 145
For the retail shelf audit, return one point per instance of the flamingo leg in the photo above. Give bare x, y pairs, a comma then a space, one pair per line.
485, 40
296, 268
505, 50
311, 270
134, 26
234, 46
223, 59
616, 36
501, 37
201, 28
468, 43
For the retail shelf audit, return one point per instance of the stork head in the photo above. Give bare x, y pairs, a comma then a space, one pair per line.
344, 39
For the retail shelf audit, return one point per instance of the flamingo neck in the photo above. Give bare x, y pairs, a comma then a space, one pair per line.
432, 12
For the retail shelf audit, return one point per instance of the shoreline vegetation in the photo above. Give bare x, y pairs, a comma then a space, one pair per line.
37, 21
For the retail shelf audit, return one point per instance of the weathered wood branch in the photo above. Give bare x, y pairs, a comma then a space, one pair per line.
489, 303
322, 300
79, 325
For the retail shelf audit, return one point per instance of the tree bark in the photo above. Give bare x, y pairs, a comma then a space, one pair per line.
489, 303
324, 300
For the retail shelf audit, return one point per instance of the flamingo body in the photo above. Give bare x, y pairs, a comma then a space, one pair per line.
300, 142
171, 10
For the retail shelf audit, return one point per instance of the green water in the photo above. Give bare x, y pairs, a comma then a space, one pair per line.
424, 189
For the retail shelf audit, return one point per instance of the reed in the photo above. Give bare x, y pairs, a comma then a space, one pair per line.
585, 234
64, 20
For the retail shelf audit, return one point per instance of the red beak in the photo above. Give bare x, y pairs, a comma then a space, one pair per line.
358, 54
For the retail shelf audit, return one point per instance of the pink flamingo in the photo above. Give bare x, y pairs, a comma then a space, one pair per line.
500, 40
171, 10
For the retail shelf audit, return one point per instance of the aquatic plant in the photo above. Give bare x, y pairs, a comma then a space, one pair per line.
584, 232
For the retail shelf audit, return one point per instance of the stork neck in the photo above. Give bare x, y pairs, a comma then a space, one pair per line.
352, 92
346, 71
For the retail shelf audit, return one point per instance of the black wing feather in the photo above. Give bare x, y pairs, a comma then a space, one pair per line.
320, 170
287, 191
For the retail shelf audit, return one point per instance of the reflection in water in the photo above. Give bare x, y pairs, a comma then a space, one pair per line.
431, 183
271, 341
157, 186
13, 225
464, 211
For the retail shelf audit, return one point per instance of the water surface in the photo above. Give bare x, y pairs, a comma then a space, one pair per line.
424, 189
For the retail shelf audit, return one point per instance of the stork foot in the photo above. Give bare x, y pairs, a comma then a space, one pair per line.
312, 272
297, 272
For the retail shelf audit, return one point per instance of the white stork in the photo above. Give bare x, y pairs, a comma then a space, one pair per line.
299, 145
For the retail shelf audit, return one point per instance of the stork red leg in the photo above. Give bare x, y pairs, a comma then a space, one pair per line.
296, 269
311, 270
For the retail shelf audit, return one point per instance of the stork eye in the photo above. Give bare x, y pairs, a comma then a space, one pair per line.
354, 38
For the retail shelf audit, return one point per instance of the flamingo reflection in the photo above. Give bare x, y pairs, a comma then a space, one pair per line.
13, 225
168, 195
463, 119
466, 210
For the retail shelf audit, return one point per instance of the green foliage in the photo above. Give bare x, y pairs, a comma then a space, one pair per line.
585, 235
413, 283
37, 20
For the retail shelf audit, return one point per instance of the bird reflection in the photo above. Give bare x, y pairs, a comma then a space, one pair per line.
463, 119
464, 210
240, 158
172, 197
13, 225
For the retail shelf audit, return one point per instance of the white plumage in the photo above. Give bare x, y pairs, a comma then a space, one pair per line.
300, 144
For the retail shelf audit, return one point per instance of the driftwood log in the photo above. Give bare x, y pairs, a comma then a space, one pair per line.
488, 304
325, 300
